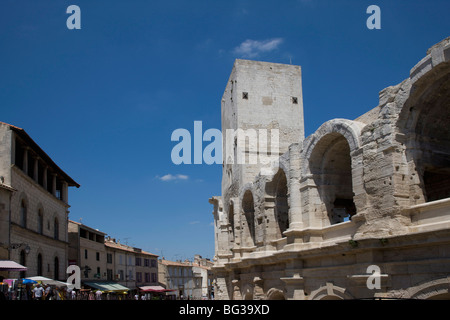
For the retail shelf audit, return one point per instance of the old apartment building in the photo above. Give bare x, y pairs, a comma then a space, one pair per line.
34, 206
186, 279
129, 266
373, 191
108, 264
87, 250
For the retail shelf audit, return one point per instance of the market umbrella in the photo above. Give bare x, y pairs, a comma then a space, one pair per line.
27, 281
8, 265
48, 281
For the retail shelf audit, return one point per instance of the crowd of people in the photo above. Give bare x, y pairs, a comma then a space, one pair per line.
49, 292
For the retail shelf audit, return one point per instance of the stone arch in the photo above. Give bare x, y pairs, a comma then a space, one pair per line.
351, 130
231, 221
332, 160
423, 121
435, 289
330, 292
277, 204
248, 217
275, 294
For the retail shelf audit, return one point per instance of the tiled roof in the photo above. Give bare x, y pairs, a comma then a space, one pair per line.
21, 132
174, 263
123, 247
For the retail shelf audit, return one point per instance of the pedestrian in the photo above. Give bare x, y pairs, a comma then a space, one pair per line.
98, 294
48, 294
38, 292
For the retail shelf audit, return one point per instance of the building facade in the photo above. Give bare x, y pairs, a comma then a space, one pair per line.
180, 277
146, 268
35, 228
87, 250
202, 270
129, 266
355, 195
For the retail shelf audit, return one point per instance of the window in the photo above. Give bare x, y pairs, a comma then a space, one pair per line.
22, 262
56, 229
139, 276
154, 277
97, 256
39, 265
109, 274
56, 265
23, 214
85, 253
40, 228
19, 155
153, 263
109, 258
146, 262
138, 261
147, 277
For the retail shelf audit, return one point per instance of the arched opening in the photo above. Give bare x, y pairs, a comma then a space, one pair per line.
331, 166
432, 140
56, 229
281, 203
40, 221
39, 265
331, 297
275, 294
442, 296
231, 222
248, 223
56, 269
277, 194
248, 296
23, 214
23, 261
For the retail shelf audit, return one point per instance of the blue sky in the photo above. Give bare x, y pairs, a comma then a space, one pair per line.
103, 101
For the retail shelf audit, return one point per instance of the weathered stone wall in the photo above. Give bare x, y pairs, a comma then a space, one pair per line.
370, 191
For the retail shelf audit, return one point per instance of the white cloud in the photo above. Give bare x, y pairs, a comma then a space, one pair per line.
253, 48
171, 177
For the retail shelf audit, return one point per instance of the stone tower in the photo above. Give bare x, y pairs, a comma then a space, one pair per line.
259, 95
